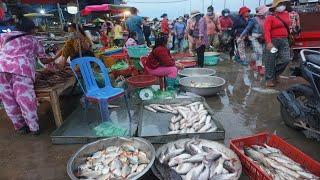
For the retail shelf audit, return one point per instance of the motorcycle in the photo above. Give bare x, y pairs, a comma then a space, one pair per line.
300, 104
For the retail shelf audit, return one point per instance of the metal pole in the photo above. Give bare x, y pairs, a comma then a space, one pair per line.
77, 27
242, 2
211, 2
224, 5
190, 6
203, 6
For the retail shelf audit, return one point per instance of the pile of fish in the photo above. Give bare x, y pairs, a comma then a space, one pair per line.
114, 162
200, 85
48, 78
192, 118
276, 164
194, 160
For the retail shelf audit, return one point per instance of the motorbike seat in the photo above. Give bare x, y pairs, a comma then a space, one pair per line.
313, 58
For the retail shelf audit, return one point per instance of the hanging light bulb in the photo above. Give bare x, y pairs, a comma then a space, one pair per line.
72, 8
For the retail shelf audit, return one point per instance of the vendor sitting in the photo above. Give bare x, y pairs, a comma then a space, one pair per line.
131, 40
160, 61
71, 47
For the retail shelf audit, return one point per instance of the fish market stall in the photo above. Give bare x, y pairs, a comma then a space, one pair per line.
50, 86
162, 121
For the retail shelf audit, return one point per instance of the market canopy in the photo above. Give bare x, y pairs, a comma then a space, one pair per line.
44, 1
104, 8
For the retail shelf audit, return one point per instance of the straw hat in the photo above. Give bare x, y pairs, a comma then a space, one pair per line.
194, 13
262, 10
275, 3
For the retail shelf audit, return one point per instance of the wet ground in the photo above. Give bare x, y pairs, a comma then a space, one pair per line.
244, 108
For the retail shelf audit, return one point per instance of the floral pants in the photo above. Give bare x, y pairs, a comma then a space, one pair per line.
241, 49
257, 50
19, 100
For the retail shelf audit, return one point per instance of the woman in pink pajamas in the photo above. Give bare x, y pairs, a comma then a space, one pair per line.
17, 74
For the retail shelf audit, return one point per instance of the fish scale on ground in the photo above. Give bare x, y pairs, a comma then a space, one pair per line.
276, 164
198, 161
191, 118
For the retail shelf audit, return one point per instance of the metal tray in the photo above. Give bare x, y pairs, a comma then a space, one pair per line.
85, 151
154, 126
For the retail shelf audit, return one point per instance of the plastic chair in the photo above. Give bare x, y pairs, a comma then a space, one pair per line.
95, 93
143, 61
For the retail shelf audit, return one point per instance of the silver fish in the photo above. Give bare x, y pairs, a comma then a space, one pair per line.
204, 175
191, 174
125, 171
194, 104
208, 119
198, 170
133, 159
228, 166
223, 176
150, 109
194, 159
276, 165
175, 160
261, 149
287, 164
141, 167
307, 175
173, 154
272, 149
143, 159
212, 156
183, 168
196, 148
205, 128
173, 132
171, 127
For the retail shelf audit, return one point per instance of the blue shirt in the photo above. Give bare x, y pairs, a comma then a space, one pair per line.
252, 27
179, 28
134, 24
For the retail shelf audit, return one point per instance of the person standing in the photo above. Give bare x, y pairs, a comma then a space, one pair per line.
226, 36
277, 32
213, 27
239, 24
179, 29
147, 31
225, 20
165, 24
118, 34
199, 35
255, 32
134, 24
17, 75
188, 35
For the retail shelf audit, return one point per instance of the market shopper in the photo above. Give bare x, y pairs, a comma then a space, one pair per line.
277, 31
179, 30
165, 24
225, 20
17, 75
134, 24
199, 35
213, 27
226, 36
147, 31
256, 35
160, 62
118, 34
78, 41
239, 24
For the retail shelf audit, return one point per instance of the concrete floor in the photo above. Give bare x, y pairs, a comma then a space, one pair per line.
244, 108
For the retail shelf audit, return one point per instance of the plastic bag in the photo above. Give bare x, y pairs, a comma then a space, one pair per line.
110, 129
185, 45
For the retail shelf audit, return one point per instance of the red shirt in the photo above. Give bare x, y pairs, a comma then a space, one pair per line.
274, 28
225, 23
160, 56
165, 26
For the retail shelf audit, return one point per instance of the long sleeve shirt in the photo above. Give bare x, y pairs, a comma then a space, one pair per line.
160, 56
274, 28
203, 36
179, 28
165, 26
239, 24
18, 56
252, 27
225, 23
213, 25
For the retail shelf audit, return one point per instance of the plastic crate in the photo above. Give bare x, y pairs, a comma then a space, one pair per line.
137, 51
253, 171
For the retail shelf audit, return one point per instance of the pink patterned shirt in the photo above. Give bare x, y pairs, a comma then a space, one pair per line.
18, 56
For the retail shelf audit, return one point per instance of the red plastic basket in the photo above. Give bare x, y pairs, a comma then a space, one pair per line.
125, 72
253, 171
142, 81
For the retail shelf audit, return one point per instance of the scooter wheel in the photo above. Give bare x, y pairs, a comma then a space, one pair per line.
288, 120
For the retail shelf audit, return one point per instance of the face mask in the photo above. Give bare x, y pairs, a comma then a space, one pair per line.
281, 8
226, 14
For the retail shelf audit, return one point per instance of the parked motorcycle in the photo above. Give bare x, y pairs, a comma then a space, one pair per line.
300, 104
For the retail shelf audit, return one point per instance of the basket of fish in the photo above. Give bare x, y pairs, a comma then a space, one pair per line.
202, 85
163, 121
112, 158
194, 158
267, 157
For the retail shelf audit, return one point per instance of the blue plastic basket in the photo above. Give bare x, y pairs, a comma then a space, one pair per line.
211, 60
137, 51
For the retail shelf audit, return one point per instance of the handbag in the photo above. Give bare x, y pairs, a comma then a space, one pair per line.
290, 36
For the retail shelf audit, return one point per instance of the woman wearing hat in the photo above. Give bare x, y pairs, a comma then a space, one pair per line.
255, 32
239, 24
277, 32
199, 35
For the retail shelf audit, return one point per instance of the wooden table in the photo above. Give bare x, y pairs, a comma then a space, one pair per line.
52, 94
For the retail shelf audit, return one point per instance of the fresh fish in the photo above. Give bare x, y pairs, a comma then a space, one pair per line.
128, 147
134, 168
168, 173
198, 170
133, 159
204, 175
115, 164
150, 109
176, 126
90, 174
184, 168
194, 159
142, 157
223, 176
205, 128
125, 171
183, 113
212, 156
173, 132
171, 127
191, 174
228, 166
261, 149
173, 154
162, 157
208, 119
272, 149
307, 175
219, 168
195, 104
255, 155
287, 164
276, 165
117, 172
112, 149
195, 148
203, 120
141, 167
175, 161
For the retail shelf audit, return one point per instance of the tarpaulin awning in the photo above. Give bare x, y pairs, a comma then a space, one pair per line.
44, 1
104, 8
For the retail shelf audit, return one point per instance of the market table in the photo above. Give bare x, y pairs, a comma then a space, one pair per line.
52, 94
